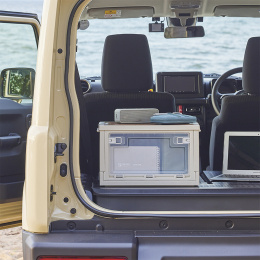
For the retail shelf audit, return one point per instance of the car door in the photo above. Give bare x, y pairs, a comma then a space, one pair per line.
19, 34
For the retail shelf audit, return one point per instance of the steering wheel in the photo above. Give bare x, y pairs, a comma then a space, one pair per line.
216, 96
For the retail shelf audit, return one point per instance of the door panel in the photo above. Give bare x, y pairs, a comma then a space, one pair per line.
13, 133
18, 53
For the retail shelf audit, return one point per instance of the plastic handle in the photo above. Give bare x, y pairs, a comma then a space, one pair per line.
10, 140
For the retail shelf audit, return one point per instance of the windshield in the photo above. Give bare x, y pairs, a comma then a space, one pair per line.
221, 49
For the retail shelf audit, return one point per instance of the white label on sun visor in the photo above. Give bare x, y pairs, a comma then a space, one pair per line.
112, 13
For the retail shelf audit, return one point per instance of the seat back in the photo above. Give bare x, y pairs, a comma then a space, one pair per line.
126, 78
238, 113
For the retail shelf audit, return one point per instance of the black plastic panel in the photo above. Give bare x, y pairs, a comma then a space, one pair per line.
207, 246
174, 224
11, 190
216, 196
80, 244
14, 123
143, 245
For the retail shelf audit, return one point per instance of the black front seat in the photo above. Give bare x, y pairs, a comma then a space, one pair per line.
238, 113
126, 78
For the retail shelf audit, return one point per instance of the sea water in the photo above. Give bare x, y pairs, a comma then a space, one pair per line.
221, 49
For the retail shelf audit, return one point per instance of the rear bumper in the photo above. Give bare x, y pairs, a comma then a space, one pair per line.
145, 245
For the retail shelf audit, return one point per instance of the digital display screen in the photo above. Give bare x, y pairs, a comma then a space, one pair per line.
180, 84
244, 153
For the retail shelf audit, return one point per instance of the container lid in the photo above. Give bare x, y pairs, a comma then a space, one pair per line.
112, 126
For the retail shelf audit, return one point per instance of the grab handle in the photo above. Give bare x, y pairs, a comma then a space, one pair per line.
12, 139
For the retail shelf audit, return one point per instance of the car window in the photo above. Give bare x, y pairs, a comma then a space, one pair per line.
221, 49
18, 54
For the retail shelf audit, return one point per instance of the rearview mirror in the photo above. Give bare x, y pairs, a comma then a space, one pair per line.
184, 32
17, 83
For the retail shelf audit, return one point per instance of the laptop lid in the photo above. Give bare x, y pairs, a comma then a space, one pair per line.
241, 155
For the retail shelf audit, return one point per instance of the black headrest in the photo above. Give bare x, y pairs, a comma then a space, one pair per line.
126, 64
251, 67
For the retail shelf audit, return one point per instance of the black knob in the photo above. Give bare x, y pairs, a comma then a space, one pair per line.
63, 170
63, 146
73, 211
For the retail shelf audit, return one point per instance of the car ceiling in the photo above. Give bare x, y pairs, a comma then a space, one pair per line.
172, 8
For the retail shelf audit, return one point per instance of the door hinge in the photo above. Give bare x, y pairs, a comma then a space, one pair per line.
58, 150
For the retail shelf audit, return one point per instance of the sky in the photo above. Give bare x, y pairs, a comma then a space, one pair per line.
28, 6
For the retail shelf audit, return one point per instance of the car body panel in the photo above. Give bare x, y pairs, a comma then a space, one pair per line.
58, 216
50, 125
148, 239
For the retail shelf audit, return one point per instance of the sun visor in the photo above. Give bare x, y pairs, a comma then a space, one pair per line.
120, 12
237, 10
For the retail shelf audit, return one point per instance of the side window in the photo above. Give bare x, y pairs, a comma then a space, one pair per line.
18, 54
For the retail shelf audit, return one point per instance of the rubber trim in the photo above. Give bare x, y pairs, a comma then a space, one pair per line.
20, 14
11, 224
89, 207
